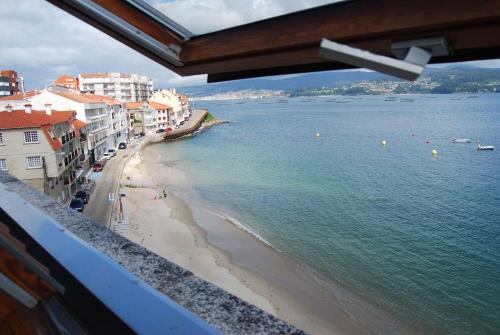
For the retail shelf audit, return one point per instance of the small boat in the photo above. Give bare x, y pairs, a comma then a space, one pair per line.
461, 140
485, 147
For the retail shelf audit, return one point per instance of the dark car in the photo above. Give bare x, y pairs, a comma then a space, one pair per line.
122, 145
182, 123
82, 195
77, 204
160, 131
98, 166
142, 133
186, 118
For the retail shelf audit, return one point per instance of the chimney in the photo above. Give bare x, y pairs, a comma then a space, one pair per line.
27, 108
8, 108
48, 108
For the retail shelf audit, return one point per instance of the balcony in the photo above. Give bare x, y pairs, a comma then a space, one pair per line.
112, 285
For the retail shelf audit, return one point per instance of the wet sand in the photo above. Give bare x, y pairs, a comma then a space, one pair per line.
209, 243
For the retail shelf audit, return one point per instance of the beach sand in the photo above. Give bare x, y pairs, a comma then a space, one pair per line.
227, 256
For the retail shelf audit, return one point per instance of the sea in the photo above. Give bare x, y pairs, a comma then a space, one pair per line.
414, 233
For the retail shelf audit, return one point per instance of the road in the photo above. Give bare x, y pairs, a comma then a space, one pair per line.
99, 206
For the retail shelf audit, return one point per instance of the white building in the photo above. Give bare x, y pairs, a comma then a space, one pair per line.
170, 98
149, 117
91, 109
42, 148
124, 87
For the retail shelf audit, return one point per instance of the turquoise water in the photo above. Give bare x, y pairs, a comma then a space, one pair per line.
414, 234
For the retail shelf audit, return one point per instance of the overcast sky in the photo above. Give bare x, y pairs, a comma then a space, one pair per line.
41, 42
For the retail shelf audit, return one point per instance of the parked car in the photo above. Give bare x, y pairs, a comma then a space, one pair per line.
82, 195
142, 133
160, 131
181, 124
186, 118
112, 152
98, 166
137, 136
106, 156
122, 145
168, 129
177, 127
77, 204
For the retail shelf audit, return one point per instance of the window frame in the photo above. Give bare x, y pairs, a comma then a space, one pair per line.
3, 167
28, 167
31, 137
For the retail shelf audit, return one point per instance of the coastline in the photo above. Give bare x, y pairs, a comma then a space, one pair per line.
230, 256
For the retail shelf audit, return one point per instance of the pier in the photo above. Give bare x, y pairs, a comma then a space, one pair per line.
189, 127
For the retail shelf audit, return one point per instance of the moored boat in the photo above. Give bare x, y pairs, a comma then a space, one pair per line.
485, 147
461, 140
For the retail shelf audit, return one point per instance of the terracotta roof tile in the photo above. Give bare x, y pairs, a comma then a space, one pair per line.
88, 98
20, 96
19, 119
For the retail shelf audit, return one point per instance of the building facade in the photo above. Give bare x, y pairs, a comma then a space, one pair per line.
68, 82
42, 148
10, 79
91, 109
150, 116
120, 86
170, 98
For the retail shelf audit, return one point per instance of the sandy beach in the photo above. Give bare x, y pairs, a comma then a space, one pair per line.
226, 256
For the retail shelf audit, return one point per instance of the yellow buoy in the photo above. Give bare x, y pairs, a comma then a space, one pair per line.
384, 142
317, 135
434, 152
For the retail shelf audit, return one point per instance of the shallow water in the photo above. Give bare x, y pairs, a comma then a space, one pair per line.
414, 234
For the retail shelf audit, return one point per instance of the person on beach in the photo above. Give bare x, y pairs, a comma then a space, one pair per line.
164, 194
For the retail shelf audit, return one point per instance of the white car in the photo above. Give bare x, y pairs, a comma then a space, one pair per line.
106, 156
112, 152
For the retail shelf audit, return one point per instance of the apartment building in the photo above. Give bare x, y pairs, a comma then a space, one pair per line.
118, 120
170, 98
91, 109
150, 116
164, 115
42, 148
10, 83
69, 82
121, 86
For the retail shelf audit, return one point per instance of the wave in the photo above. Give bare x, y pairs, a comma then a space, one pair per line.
241, 226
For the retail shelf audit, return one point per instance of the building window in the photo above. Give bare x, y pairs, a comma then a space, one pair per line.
1, 139
3, 164
34, 162
31, 137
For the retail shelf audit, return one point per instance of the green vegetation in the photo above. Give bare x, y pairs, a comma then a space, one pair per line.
210, 117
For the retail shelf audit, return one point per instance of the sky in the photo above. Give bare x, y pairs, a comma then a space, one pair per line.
42, 42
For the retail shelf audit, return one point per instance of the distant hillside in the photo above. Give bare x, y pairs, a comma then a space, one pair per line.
455, 78
285, 83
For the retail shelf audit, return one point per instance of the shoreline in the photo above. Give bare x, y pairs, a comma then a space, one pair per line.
201, 239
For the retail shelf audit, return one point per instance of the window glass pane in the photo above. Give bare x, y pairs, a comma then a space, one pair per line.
33, 162
30, 136
202, 17
3, 165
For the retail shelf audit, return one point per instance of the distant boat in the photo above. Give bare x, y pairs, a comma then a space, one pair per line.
485, 147
461, 140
